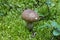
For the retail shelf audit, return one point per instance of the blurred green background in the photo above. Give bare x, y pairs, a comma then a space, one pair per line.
12, 26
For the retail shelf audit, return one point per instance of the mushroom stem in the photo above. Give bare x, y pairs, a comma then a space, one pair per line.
30, 26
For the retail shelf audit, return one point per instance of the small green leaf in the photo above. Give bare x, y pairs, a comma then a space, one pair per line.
49, 3
56, 33
55, 24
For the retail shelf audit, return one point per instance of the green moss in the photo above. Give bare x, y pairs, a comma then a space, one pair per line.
13, 27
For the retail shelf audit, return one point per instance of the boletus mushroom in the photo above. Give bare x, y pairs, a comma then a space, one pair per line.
30, 16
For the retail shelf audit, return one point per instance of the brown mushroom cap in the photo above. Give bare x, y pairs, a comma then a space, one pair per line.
30, 16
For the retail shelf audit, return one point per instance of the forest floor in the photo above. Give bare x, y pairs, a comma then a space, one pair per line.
13, 27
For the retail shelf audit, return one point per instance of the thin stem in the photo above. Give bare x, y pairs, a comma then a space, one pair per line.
30, 26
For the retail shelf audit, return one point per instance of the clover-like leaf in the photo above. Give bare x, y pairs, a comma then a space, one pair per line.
55, 24
49, 3
56, 33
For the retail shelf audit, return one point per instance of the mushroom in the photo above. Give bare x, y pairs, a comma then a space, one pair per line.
30, 16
